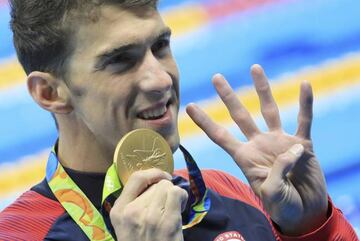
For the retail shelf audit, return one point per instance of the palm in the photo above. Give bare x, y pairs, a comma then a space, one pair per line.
260, 154
291, 187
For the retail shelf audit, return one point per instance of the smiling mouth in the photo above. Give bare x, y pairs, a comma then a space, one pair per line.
154, 113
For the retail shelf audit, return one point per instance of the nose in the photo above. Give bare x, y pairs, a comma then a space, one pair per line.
155, 79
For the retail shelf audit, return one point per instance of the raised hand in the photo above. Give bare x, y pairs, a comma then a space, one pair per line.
149, 208
281, 168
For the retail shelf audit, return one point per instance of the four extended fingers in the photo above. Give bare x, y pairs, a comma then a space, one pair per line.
242, 117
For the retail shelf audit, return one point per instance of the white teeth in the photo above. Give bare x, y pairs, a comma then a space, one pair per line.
152, 114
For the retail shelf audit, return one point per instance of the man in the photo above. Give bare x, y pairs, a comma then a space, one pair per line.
105, 68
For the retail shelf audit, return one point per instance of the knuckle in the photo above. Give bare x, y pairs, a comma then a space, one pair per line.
270, 111
130, 215
228, 96
284, 157
238, 155
174, 190
165, 183
113, 215
178, 191
127, 218
309, 100
146, 176
137, 176
151, 221
179, 194
263, 89
305, 119
239, 116
219, 134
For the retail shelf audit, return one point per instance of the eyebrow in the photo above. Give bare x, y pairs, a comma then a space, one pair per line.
103, 58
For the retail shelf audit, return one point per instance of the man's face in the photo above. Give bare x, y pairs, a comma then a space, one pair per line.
123, 76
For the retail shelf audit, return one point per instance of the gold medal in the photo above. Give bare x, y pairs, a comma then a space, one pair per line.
142, 149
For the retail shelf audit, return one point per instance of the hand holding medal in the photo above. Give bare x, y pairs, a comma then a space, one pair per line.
149, 205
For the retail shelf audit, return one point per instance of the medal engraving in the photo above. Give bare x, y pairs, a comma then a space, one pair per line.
142, 149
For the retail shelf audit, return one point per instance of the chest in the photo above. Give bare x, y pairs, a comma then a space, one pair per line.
231, 220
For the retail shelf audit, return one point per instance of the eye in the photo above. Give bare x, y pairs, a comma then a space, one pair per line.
161, 47
121, 62
120, 59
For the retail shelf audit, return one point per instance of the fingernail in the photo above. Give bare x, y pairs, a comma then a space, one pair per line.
297, 150
257, 69
218, 75
193, 105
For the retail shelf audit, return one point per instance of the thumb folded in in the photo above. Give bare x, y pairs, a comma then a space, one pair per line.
287, 160
274, 183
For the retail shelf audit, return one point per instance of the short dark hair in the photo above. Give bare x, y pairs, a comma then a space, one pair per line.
42, 30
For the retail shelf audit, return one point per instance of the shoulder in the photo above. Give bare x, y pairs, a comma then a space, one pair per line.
31, 215
227, 185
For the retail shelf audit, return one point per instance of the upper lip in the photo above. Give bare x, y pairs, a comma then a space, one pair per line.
155, 106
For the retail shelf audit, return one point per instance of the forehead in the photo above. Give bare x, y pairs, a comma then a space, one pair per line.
115, 27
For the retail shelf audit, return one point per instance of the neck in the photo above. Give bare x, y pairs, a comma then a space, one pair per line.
81, 151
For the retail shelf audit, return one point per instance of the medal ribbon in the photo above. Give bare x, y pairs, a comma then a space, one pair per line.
199, 195
75, 202
89, 219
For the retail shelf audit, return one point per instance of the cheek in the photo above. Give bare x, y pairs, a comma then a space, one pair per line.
106, 119
174, 73
112, 107
104, 102
96, 107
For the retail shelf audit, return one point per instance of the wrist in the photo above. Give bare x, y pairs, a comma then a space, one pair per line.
305, 225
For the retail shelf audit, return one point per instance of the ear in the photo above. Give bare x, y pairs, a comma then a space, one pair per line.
49, 92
